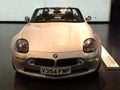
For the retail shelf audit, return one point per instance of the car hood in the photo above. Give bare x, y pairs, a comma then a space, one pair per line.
56, 37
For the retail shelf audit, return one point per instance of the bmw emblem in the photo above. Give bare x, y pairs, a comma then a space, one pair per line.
55, 55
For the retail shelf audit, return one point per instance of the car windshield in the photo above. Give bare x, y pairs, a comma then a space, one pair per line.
57, 15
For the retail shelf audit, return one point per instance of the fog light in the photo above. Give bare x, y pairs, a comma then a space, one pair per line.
19, 59
93, 59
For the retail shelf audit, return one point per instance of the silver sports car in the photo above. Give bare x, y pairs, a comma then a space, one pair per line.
56, 43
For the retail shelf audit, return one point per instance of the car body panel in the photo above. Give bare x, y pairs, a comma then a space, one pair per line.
66, 36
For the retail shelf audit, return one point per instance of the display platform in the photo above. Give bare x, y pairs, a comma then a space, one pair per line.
105, 79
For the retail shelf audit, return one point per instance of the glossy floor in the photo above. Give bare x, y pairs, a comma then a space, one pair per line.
103, 80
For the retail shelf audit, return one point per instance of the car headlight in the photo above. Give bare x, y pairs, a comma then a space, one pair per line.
22, 45
90, 45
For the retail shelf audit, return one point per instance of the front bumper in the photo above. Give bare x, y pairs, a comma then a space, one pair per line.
80, 72
27, 67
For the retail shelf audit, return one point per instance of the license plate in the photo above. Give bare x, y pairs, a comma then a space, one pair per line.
55, 71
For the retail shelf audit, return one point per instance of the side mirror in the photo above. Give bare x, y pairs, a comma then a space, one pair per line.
27, 19
88, 18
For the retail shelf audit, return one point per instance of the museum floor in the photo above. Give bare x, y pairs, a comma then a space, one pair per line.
103, 80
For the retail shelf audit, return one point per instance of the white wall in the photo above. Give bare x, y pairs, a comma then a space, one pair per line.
16, 10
